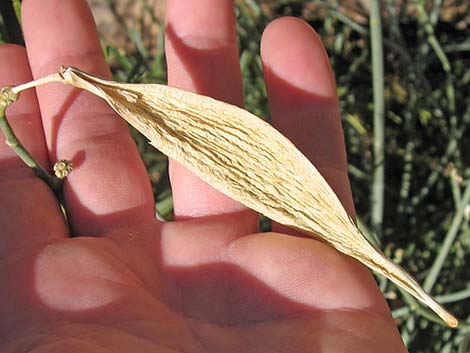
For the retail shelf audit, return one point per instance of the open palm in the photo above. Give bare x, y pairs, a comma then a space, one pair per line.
207, 282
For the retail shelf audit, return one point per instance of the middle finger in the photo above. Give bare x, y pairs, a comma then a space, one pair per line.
202, 56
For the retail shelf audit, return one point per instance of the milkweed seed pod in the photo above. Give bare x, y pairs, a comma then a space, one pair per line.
244, 157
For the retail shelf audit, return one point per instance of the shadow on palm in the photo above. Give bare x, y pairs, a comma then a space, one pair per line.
188, 286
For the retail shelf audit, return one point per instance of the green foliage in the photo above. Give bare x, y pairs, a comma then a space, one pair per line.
427, 118
10, 23
3, 34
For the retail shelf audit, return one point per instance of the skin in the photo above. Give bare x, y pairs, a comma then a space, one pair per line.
207, 282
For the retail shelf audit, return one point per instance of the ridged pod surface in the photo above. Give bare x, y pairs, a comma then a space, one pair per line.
244, 157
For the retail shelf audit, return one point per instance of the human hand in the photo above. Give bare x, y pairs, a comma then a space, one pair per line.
207, 282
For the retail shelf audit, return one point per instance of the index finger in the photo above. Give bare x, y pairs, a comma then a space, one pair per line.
109, 186
23, 224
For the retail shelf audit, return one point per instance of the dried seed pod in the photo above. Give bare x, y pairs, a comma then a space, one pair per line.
244, 157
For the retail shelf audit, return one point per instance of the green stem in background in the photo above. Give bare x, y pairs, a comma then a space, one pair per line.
424, 19
422, 311
431, 180
8, 96
9, 13
457, 130
456, 193
465, 344
436, 267
434, 14
443, 299
454, 297
377, 194
413, 305
457, 47
17, 8
406, 177
390, 43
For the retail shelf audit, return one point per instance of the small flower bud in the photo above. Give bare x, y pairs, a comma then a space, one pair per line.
62, 168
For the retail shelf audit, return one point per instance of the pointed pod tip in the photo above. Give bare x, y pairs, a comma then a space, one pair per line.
452, 321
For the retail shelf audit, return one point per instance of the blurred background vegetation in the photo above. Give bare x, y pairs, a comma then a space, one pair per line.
419, 141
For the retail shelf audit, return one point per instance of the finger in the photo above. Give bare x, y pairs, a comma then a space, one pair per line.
22, 222
202, 56
109, 186
303, 101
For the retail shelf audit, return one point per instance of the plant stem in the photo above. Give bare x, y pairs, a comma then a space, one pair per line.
377, 194
436, 267
441, 55
431, 180
456, 193
392, 44
415, 306
406, 178
8, 96
443, 299
454, 297
43, 80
